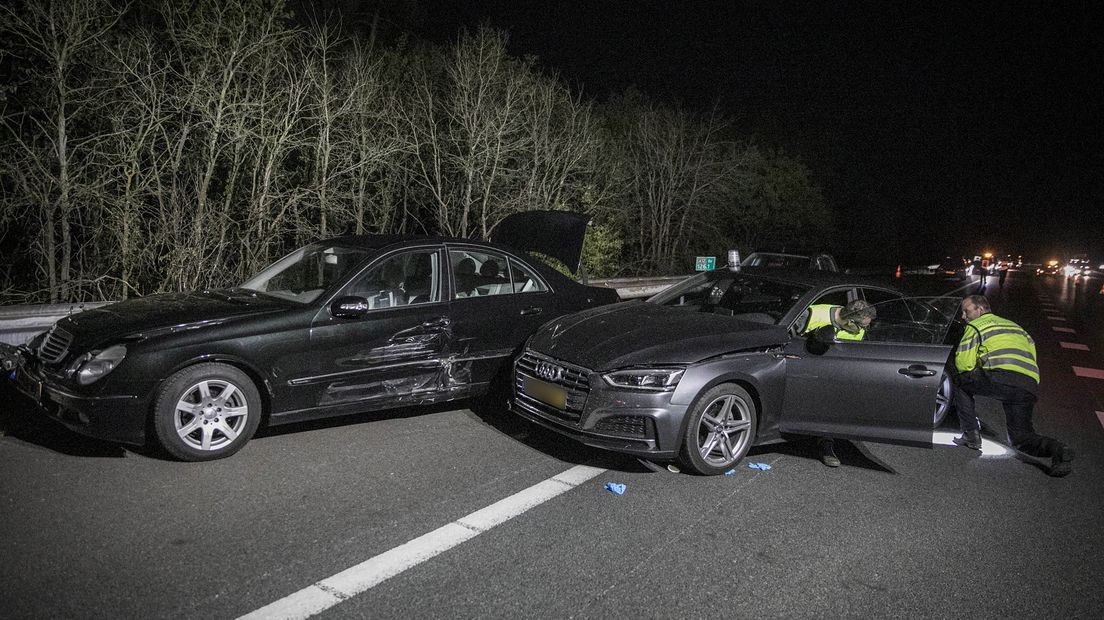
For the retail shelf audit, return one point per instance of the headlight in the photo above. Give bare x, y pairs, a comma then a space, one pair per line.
651, 379
97, 366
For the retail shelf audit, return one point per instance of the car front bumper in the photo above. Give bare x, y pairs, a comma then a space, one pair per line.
119, 418
643, 424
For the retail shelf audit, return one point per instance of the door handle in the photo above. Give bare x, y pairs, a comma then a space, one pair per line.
916, 371
441, 321
532, 310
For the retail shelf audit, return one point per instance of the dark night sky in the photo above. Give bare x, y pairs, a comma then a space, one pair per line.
935, 127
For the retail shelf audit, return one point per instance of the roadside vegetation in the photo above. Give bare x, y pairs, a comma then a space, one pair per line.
164, 146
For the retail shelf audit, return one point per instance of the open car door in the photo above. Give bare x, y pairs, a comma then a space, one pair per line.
885, 387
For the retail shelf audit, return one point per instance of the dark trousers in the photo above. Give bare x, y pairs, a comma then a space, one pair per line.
1018, 406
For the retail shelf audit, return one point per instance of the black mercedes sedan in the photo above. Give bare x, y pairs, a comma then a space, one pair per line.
346, 325
721, 362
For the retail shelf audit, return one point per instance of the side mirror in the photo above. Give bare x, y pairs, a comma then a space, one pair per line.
350, 307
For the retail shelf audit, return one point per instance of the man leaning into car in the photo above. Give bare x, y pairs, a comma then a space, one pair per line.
850, 323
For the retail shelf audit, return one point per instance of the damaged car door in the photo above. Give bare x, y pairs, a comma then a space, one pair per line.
488, 323
381, 340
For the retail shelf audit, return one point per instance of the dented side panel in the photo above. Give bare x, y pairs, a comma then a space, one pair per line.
390, 356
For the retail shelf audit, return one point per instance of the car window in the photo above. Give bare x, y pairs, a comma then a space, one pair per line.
399, 280
907, 320
479, 274
877, 296
524, 280
778, 261
741, 296
838, 297
305, 273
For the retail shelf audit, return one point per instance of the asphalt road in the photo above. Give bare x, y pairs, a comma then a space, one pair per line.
90, 530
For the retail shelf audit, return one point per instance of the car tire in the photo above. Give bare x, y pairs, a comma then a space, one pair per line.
944, 401
206, 412
719, 430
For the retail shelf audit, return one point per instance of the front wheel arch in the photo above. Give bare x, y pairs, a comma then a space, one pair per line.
719, 429
210, 387
264, 386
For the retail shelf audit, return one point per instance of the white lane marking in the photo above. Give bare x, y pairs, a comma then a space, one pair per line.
1100, 416
357, 579
1055, 318
1064, 330
988, 446
1090, 373
1074, 345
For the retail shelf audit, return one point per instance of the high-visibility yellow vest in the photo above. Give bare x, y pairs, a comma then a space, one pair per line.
999, 344
821, 315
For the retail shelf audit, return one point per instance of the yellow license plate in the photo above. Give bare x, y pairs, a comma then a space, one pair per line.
547, 393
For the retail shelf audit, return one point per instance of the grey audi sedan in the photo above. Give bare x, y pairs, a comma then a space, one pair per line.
720, 362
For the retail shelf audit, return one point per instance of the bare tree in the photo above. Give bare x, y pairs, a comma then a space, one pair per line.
217, 48
671, 169
54, 40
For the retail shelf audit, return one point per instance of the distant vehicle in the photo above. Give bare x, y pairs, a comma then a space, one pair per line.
815, 262
1050, 269
341, 326
1077, 267
718, 363
952, 268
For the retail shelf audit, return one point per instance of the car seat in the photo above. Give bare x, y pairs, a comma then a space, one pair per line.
465, 278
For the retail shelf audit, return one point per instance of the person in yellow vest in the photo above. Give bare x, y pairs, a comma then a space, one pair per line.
850, 323
996, 359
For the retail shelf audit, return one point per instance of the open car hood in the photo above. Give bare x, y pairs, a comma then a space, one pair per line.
558, 234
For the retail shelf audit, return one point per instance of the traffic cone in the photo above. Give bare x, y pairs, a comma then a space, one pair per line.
898, 270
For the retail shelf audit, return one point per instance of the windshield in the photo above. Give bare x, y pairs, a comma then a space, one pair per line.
741, 296
305, 273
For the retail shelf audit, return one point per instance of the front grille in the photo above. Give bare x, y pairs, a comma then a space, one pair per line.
574, 379
55, 346
631, 425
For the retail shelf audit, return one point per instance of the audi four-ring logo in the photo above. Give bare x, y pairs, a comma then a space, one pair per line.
549, 371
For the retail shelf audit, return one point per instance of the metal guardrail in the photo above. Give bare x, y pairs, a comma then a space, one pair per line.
18, 324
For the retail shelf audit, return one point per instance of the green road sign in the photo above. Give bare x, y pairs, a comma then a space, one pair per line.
705, 263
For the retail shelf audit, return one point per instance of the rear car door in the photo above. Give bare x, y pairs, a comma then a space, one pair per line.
882, 388
484, 312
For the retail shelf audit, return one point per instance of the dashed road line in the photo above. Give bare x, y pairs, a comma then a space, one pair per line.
364, 576
1064, 330
1074, 345
1089, 373
1055, 318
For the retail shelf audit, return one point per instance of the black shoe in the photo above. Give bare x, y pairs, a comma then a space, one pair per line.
828, 453
1060, 463
969, 439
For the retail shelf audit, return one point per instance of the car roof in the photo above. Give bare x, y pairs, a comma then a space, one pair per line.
558, 234
382, 241
812, 277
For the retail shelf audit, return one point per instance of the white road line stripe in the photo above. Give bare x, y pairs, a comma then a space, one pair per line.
357, 579
1074, 345
1064, 330
1100, 416
988, 446
1055, 318
1089, 373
